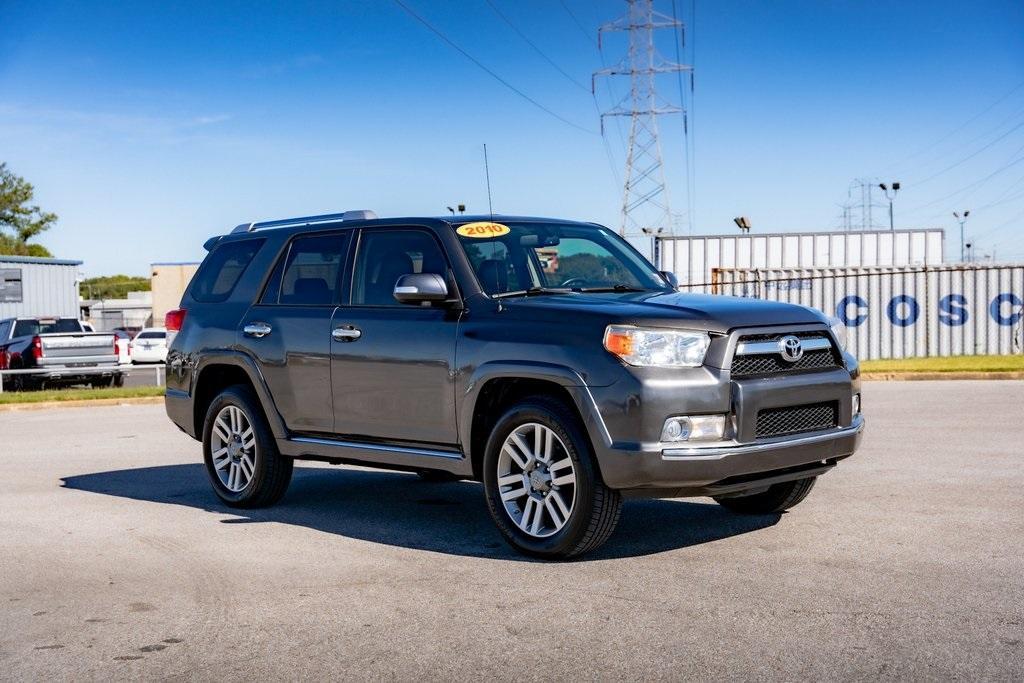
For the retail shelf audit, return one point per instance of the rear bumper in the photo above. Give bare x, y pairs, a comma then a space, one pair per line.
727, 469
178, 405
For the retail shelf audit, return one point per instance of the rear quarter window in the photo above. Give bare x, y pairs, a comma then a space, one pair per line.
222, 269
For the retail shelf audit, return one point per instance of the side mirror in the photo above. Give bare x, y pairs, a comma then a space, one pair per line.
670, 278
415, 288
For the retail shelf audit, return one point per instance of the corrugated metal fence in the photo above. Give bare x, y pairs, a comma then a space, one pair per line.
900, 312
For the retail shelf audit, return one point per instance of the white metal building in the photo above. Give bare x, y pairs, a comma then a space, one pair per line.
31, 286
694, 259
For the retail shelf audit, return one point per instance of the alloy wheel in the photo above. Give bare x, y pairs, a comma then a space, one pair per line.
233, 448
536, 480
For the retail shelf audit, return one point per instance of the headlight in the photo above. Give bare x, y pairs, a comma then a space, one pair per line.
839, 330
652, 347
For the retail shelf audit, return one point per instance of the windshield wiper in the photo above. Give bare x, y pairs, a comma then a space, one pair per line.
614, 288
533, 291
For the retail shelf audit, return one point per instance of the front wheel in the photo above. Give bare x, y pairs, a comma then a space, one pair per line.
777, 498
543, 489
241, 456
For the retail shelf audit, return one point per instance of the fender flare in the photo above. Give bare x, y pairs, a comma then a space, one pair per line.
564, 376
242, 360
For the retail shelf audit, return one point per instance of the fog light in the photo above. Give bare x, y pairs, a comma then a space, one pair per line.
856, 404
694, 428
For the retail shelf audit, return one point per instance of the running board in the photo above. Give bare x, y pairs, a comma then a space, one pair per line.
384, 455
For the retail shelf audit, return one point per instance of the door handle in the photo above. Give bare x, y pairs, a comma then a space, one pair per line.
257, 330
346, 334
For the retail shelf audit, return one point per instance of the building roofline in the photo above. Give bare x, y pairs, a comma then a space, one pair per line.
175, 263
39, 260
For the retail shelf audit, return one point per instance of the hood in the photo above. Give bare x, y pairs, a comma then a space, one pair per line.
702, 311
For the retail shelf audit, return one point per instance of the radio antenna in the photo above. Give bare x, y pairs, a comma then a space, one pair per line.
487, 175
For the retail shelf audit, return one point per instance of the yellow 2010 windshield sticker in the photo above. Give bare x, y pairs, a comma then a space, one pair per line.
483, 229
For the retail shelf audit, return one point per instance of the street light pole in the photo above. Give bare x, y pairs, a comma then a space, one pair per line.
890, 197
962, 219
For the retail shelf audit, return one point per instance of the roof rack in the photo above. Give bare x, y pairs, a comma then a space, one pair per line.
361, 215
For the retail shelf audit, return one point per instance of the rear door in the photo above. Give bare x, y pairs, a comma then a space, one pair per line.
392, 364
288, 331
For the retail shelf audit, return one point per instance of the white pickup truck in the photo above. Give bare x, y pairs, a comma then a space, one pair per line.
59, 352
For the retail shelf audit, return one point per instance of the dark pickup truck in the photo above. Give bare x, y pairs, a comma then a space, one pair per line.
59, 352
546, 358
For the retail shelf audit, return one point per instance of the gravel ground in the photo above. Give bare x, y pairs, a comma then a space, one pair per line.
907, 561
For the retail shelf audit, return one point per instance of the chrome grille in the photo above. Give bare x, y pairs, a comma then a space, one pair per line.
767, 364
796, 419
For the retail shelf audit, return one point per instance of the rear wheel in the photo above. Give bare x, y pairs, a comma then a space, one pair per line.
241, 456
778, 498
543, 489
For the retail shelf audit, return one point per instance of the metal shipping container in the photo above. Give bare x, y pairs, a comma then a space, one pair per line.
31, 286
902, 312
694, 259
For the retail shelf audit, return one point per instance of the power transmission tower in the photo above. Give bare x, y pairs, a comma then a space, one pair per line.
645, 197
865, 208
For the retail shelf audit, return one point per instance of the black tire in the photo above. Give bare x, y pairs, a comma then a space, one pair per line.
778, 498
118, 381
272, 471
596, 510
102, 383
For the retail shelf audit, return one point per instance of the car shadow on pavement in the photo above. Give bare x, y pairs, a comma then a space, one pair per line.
399, 509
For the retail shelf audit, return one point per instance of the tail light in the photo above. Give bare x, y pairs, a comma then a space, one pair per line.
37, 348
5, 360
174, 319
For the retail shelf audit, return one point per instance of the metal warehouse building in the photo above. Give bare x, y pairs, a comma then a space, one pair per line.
31, 286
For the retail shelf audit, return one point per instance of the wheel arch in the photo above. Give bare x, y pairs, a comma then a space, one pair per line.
496, 386
219, 371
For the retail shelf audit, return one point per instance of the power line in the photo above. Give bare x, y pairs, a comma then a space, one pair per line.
969, 156
491, 73
960, 127
577, 22
679, 41
1009, 164
537, 49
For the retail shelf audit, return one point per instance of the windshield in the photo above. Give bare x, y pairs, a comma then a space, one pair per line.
518, 257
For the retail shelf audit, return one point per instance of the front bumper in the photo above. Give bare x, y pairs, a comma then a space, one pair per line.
722, 469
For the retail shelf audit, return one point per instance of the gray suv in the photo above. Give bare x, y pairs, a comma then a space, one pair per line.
546, 358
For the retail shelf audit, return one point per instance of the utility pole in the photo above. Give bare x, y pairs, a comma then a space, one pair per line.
645, 197
962, 218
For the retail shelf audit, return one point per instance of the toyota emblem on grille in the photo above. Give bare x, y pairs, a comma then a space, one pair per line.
791, 348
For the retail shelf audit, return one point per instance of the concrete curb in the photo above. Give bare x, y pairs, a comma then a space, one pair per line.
83, 403
924, 376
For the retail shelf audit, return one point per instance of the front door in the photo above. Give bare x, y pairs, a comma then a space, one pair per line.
391, 363
289, 331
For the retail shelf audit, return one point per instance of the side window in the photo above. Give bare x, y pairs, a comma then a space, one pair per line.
273, 287
495, 268
386, 255
5, 331
222, 269
312, 273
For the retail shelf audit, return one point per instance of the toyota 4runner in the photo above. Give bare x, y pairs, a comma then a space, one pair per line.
546, 358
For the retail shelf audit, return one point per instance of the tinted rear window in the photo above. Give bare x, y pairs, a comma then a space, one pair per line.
25, 328
152, 335
222, 269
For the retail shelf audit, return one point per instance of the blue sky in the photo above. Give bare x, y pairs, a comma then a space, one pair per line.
149, 127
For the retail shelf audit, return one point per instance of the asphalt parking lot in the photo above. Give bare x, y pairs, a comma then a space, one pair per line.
116, 561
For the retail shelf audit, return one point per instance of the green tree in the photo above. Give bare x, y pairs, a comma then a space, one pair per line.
20, 220
112, 286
